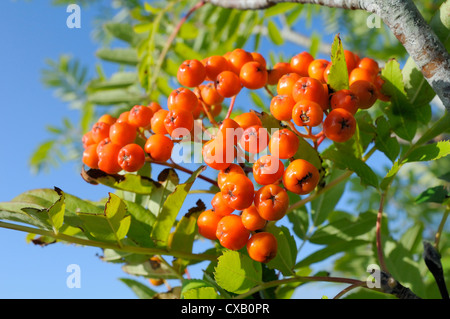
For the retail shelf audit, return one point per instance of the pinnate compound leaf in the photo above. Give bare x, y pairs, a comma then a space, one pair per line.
401, 114
384, 141
170, 209
437, 194
237, 273
119, 55
142, 291
429, 152
127, 182
347, 161
274, 33
286, 256
112, 225
338, 76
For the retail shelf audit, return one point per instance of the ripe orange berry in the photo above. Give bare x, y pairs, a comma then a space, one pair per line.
214, 65
251, 219
210, 95
268, 169
317, 68
247, 119
191, 73
87, 139
262, 247
157, 122
258, 57
122, 133
224, 173
228, 84
154, 106
107, 159
131, 157
300, 63
254, 139
358, 74
207, 223
182, 98
237, 58
286, 83
253, 75
179, 122
278, 70
231, 232
220, 205
229, 130
339, 125
281, 107
123, 117
100, 130
140, 116
307, 88
369, 64
301, 177
272, 202
159, 147
218, 155
366, 92
345, 99
283, 143
307, 113
90, 156
350, 60
238, 191
107, 119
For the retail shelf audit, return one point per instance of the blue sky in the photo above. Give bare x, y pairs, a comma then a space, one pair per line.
33, 31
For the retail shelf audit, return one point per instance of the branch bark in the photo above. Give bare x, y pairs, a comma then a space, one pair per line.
403, 19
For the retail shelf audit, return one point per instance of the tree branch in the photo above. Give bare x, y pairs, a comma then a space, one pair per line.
403, 19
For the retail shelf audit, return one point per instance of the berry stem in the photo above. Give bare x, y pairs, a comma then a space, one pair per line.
230, 108
268, 91
208, 114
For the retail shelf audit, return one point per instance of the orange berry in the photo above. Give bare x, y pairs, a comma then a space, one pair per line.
247, 119
131, 157
231, 232
345, 99
220, 205
179, 122
224, 173
267, 169
283, 143
191, 73
317, 68
159, 147
262, 247
237, 58
140, 116
251, 219
182, 98
286, 83
207, 223
228, 84
90, 156
253, 75
122, 133
238, 191
272, 202
254, 139
300, 177
157, 122
307, 113
281, 107
366, 92
339, 125
300, 63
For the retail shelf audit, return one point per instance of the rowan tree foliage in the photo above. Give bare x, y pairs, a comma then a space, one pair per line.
377, 212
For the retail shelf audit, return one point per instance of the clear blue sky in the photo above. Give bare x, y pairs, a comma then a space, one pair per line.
33, 31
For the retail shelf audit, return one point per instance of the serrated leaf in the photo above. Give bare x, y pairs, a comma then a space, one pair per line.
347, 161
127, 182
112, 225
172, 205
286, 256
383, 140
401, 114
437, 194
429, 152
150, 269
338, 76
141, 291
237, 273
201, 293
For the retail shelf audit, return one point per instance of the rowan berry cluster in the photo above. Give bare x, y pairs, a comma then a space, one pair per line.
242, 207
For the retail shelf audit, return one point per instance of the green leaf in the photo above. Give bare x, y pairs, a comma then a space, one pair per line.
172, 205
383, 140
201, 293
237, 273
129, 95
150, 269
119, 55
329, 251
116, 81
437, 194
387, 180
429, 152
112, 225
281, 8
338, 76
142, 291
274, 33
401, 114
418, 90
127, 182
121, 31
286, 256
167, 180
298, 217
347, 161
347, 229
323, 205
